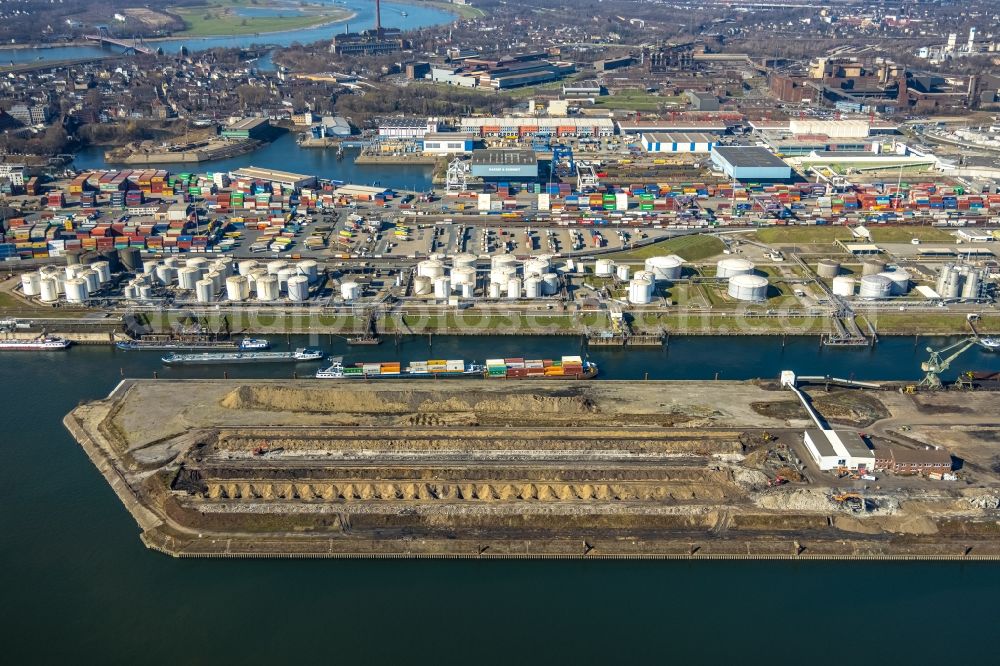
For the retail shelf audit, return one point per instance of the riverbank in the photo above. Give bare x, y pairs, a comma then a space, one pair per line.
282, 469
212, 150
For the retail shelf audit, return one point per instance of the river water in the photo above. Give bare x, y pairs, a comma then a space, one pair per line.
78, 586
418, 16
285, 154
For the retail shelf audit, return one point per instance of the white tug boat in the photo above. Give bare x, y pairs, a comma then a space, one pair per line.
990, 344
38, 344
254, 344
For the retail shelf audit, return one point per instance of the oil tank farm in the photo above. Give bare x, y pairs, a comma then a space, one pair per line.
828, 268
750, 163
665, 267
731, 267
875, 286
872, 267
748, 287
843, 285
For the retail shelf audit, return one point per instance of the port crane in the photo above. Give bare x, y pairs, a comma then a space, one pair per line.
936, 364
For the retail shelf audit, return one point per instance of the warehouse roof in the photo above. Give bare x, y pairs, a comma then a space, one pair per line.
508, 157
750, 157
632, 127
271, 174
246, 124
680, 137
511, 121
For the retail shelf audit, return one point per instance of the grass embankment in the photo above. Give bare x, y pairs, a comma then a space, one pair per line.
831, 234
636, 100
691, 248
222, 17
922, 323
463, 11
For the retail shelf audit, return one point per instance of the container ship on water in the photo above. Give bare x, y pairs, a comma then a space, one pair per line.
569, 367
301, 355
38, 344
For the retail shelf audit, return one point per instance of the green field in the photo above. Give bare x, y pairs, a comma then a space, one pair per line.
636, 100
221, 17
463, 11
830, 234
691, 248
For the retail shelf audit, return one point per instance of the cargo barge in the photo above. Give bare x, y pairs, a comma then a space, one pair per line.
247, 344
569, 367
39, 344
301, 355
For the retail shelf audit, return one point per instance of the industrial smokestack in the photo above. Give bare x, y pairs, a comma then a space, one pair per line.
378, 18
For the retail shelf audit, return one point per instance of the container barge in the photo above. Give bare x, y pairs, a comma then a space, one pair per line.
39, 344
301, 355
569, 367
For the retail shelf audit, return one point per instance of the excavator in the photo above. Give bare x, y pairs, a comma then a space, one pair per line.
853, 501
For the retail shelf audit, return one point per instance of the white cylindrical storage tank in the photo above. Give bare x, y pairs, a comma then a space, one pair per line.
173, 262
149, 266
972, 287
237, 288
145, 292
532, 287
103, 270
274, 266
283, 276
204, 291
131, 291
467, 290
60, 282
640, 291
872, 267
92, 280
298, 288
535, 266
727, 268
350, 291
51, 271
422, 285
900, 281
495, 289
167, 275
187, 277
256, 274
828, 268
665, 267
514, 288
645, 275
31, 283
550, 284
224, 267
501, 274
503, 260
142, 278
76, 290
246, 266
622, 272
746, 287
442, 287
463, 260
266, 288
604, 268
943, 278
309, 268
953, 283
843, 285
218, 280
48, 290
875, 286
431, 268
201, 263
463, 275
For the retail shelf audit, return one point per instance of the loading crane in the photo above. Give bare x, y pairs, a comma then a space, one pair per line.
935, 364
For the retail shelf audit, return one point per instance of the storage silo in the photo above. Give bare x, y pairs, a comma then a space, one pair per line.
222, 266
463, 260
828, 268
463, 275
640, 291
76, 290
130, 258
131, 291
604, 268
875, 286
31, 283
48, 291
535, 266
187, 277
550, 284
514, 288
173, 262
256, 274
72, 271
298, 288
167, 275
622, 272
145, 292
495, 289
266, 288
733, 266
900, 281
218, 280
274, 266
246, 266
503, 260
309, 268
284, 274
431, 268
532, 287
442, 287
422, 286
872, 267
973, 284
350, 291
237, 288
149, 266
201, 263
665, 267
943, 277
93, 281
501, 274
204, 291
843, 285
748, 287
103, 270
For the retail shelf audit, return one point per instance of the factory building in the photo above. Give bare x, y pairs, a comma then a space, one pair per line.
634, 128
447, 143
839, 449
504, 164
406, 128
750, 163
293, 181
514, 128
701, 101
912, 461
678, 143
248, 128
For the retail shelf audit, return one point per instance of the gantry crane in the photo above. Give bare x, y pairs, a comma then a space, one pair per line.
935, 365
